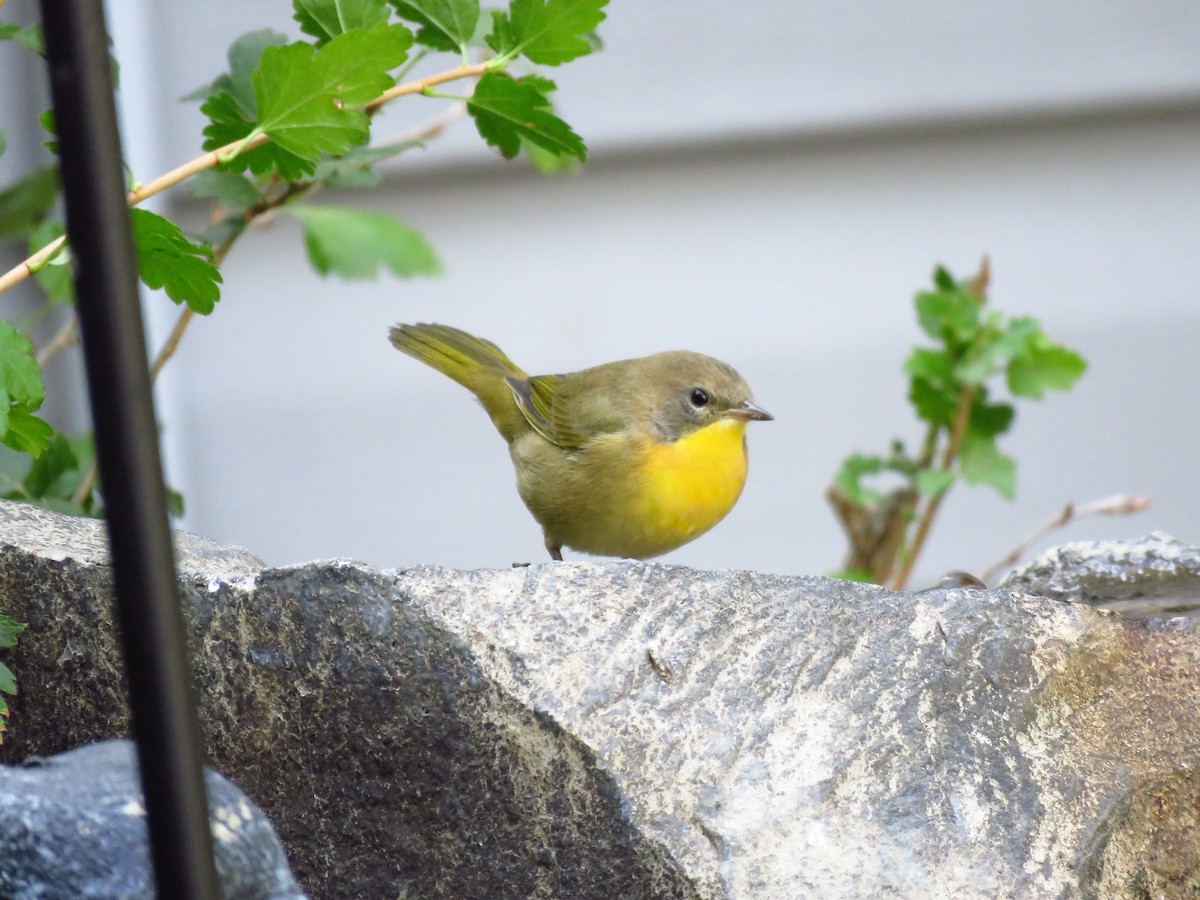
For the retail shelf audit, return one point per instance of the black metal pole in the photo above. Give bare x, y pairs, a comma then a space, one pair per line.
114, 349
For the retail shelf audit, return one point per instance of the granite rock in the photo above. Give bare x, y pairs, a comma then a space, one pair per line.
1154, 576
643, 730
74, 825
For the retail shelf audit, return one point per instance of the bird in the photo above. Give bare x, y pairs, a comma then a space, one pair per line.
628, 459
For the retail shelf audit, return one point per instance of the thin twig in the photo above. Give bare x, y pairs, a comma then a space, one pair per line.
209, 160
1119, 505
85, 487
419, 86
66, 336
957, 431
170, 345
23, 270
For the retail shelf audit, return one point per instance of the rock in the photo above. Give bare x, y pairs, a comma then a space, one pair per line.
74, 826
1155, 576
641, 730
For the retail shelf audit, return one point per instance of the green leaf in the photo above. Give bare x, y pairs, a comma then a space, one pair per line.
994, 345
947, 315
297, 94
930, 365
506, 111
357, 63
982, 463
21, 392
932, 482
46, 118
227, 125
30, 37
444, 24
355, 243
55, 473
326, 19
990, 420
10, 630
56, 476
976, 369
27, 433
8, 685
548, 32
934, 403
223, 230
20, 374
56, 277
238, 82
168, 260
849, 478
174, 503
353, 169
244, 56
550, 163
1045, 366
1018, 336
303, 98
546, 161
27, 202
230, 189
232, 110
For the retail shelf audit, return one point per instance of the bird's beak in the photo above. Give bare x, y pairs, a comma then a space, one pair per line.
751, 412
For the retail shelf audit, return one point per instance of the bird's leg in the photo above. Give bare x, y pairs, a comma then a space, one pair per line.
555, 551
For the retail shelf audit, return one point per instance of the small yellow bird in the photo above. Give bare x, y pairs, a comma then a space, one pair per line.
633, 458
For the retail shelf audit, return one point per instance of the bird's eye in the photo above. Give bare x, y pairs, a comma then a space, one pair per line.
699, 397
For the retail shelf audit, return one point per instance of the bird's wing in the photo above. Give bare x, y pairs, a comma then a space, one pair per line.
566, 412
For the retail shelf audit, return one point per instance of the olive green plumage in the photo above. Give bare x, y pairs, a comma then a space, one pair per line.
604, 456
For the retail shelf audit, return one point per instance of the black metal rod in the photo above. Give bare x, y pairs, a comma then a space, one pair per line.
114, 349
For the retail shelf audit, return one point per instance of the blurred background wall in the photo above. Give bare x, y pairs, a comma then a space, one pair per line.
769, 183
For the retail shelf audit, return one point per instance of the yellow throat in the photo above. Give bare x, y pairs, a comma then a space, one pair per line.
689, 485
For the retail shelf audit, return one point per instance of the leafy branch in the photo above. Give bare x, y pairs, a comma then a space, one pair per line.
217, 157
949, 391
287, 119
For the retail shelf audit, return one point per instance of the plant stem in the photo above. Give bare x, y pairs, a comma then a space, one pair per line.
209, 160
419, 86
929, 447
171, 344
925, 523
21, 271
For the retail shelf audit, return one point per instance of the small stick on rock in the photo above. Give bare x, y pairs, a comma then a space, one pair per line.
1118, 505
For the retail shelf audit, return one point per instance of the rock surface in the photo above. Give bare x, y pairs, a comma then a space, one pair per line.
1156, 576
74, 826
582, 730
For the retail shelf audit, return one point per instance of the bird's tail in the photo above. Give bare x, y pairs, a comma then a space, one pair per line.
477, 364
